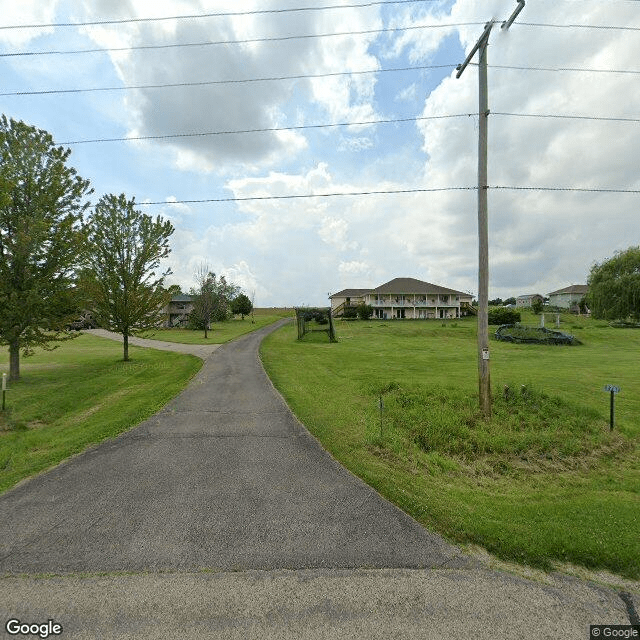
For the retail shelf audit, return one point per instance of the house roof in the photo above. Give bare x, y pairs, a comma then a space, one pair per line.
412, 285
349, 293
580, 289
529, 295
181, 297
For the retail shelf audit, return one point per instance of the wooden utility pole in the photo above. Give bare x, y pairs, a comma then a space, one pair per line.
484, 374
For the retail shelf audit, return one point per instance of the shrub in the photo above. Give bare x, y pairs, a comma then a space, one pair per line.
502, 315
364, 311
350, 313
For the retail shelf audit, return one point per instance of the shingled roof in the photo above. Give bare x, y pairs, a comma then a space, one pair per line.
350, 293
580, 289
412, 285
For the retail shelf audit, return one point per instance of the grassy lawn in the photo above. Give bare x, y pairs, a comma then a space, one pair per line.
78, 395
221, 332
544, 482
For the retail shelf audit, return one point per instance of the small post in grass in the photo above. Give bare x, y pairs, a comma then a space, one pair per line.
4, 389
612, 389
381, 406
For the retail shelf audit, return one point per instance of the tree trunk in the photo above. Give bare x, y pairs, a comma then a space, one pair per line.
125, 337
14, 359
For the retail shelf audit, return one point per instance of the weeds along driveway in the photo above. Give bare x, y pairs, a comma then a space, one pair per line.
224, 477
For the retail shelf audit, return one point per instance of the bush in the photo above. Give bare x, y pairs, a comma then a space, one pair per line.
501, 315
350, 313
364, 311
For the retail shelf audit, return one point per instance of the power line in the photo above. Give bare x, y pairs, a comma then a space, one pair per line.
222, 82
386, 192
267, 129
561, 69
565, 117
578, 26
210, 15
201, 134
308, 195
229, 42
567, 189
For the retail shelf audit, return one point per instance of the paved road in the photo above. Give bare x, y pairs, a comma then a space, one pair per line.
221, 516
201, 350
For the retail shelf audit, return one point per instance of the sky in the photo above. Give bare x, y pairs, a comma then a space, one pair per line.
291, 72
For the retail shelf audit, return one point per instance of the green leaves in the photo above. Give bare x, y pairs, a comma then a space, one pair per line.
614, 287
42, 201
124, 249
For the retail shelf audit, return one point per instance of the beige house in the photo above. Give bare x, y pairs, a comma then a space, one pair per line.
569, 297
405, 298
526, 301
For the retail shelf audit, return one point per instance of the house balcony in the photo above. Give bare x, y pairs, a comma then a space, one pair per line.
410, 303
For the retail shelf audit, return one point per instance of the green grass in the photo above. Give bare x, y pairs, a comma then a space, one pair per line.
543, 482
78, 395
221, 332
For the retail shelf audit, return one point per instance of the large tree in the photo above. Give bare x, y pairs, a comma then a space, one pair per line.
125, 248
211, 297
242, 305
614, 287
42, 201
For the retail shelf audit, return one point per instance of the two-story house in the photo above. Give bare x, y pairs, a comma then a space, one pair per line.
405, 298
569, 297
178, 310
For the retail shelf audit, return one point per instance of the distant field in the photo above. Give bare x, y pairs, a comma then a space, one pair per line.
544, 482
78, 395
221, 332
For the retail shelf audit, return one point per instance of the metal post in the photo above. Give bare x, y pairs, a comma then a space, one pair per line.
612, 411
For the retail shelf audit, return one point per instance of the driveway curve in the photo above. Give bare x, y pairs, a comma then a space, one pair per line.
201, 350
224, 477
222, 517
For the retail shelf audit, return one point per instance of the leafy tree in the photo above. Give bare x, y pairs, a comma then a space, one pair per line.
174, 290
537, 306
614, 287
41, 205
509, 301
496, 302
241, 305
365, 311
212, 298
124, 250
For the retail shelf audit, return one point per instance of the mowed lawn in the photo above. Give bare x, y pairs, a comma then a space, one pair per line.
544, 482
221, 332
80, 394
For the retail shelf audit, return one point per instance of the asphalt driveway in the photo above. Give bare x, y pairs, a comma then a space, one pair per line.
224, 482
224, 477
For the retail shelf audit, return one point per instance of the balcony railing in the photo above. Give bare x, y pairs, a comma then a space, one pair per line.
411, 303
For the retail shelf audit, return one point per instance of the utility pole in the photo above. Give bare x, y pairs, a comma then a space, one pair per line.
484, 375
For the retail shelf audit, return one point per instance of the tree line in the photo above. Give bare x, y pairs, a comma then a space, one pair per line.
59, 255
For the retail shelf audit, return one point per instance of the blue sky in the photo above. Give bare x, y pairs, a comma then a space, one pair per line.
293, 252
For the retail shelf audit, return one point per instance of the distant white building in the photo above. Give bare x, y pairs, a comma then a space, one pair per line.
569, 297
405, 298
